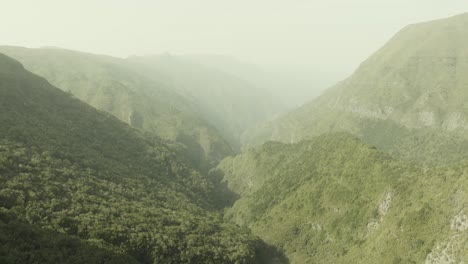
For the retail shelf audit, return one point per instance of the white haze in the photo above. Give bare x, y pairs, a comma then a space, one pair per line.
309, 44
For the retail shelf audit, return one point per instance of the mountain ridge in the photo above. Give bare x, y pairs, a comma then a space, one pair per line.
108, 84
413, 85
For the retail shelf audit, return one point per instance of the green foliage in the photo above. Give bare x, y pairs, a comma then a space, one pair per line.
24, 243
109, 84
66, 167
334, 199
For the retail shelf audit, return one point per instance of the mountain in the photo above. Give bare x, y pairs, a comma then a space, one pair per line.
102, 188
229, 101
21, 242
109, 84
409, 98
334, 199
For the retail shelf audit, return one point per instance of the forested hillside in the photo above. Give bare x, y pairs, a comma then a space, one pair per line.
334, 199
204, 108
109, 84
100, 187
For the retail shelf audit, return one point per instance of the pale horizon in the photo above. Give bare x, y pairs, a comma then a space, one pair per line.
317, 43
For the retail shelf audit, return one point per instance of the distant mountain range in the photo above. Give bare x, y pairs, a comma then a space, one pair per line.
229, 102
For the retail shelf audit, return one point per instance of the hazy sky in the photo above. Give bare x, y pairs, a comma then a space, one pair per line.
330, 36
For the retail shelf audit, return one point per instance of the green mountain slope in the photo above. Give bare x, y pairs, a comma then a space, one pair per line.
334, 199
66, 167
24, 243
412, 90
108, 84
231, 103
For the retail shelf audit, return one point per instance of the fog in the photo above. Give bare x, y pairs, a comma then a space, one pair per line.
312, 44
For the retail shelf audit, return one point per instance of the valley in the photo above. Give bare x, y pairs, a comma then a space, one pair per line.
192, 159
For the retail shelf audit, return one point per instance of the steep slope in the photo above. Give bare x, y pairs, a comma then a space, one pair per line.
66, 167
108, 84
232, 104
334, 199
24, 243
413, 89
